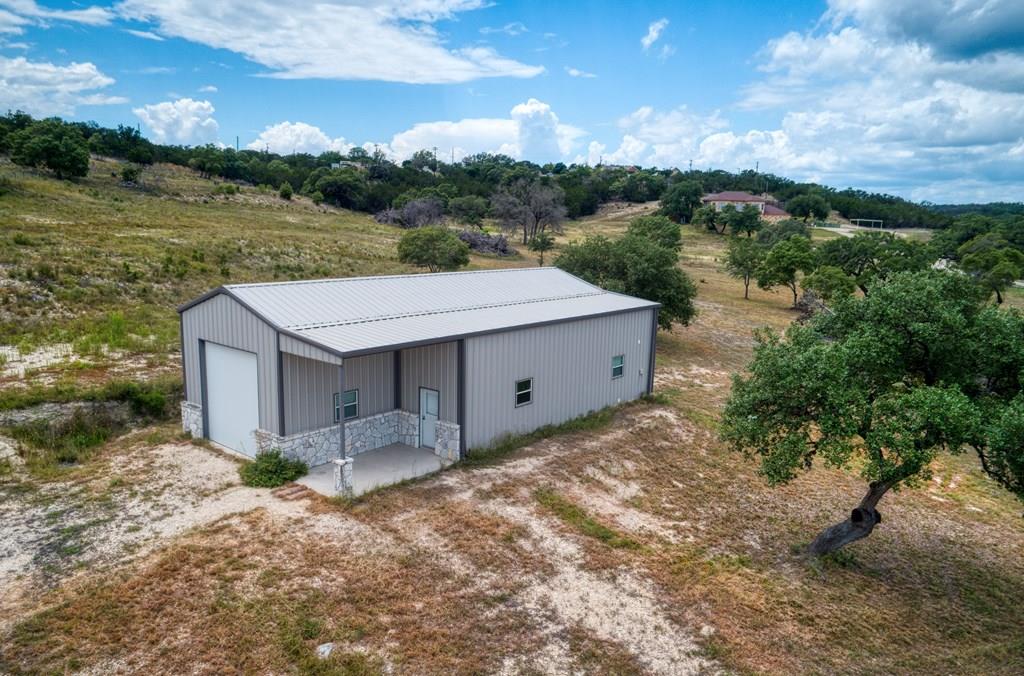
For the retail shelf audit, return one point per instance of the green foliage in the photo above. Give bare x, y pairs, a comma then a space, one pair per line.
130, 173
709, 216
658, 229
743, 260
742, 221
830, 283
681, 200
784, 262
869, 257
992, 262
637, 266
285, 191
809, 206
51, 144
435, 248
271, 469
884, 383
345, 188
542, 242
317, 197
772, 233
469, 210
66, 441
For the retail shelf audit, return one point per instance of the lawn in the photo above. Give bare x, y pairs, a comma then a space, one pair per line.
631, 542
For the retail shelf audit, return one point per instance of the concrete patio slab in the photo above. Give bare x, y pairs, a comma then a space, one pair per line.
374, 469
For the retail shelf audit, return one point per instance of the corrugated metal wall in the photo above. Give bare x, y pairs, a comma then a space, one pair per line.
571, 367
223, 320
435, 367
309, 387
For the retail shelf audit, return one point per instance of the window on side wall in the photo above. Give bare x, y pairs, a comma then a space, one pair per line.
349, 405
524, 392
618, 365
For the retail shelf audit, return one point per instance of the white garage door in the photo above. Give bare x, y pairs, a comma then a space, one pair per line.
232, 397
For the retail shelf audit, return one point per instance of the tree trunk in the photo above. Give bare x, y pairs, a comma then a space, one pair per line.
795, 297
746, 288
859, 524
999, 298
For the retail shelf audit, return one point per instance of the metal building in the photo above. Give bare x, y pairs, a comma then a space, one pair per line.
447, 362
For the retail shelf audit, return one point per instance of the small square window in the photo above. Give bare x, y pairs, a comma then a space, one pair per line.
351, 405
618, 365
524, 392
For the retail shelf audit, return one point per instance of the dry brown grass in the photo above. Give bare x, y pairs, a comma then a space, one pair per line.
469, 572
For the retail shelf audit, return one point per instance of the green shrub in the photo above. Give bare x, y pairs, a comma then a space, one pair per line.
67, 441
271, 469
286, 191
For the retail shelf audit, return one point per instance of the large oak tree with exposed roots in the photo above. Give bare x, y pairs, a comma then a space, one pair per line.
882, 384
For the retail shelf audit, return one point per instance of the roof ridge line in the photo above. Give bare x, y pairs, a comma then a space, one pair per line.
294, 282
424, 313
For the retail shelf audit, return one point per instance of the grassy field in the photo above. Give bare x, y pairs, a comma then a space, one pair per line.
629, 543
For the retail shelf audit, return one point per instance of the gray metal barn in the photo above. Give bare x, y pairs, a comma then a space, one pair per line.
382, 378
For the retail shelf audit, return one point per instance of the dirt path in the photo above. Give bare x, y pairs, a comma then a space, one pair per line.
147, 497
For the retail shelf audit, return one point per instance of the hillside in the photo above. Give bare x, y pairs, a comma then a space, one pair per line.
631, 542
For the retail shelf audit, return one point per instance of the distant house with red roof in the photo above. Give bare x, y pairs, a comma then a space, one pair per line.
739, 199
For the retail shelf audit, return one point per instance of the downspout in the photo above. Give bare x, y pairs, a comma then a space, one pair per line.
397, 369
460, 413
341, 409
280, 387
650, 363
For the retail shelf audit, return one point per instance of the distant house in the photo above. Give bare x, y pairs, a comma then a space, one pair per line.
396, 375
739, 199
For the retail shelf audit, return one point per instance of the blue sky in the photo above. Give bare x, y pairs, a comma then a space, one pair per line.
920, 98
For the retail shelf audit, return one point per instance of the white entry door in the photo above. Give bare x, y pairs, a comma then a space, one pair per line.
232, 397
428, 416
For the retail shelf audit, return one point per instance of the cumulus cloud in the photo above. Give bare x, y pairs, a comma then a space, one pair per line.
382, 39
532, 131
965, 28
184, 121
298, 137
897, 96
42, 88
654, 31
576, 72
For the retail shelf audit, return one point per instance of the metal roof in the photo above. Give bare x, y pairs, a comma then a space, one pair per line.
358, 315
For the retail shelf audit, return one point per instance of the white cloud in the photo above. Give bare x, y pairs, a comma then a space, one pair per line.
286, 138
208, 89
145, 35
42, 88
964, 28
531, 132
576, 72
511, 29
26, 12
382, 39
184, 121
654, 31
155, 70
896, 96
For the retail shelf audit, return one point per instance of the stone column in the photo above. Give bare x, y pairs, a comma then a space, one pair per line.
343, 477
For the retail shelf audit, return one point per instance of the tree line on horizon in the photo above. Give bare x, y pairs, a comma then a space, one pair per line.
373, 183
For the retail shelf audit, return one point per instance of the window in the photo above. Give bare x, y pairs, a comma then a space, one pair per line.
524, 392
618, 365
351, 405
